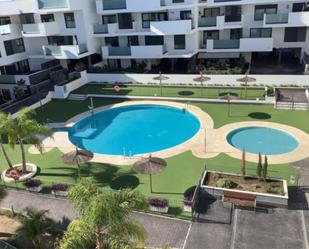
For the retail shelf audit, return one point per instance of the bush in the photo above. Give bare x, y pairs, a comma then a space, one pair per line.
224, 183
60, 187
188, 196
158, 202
32, 183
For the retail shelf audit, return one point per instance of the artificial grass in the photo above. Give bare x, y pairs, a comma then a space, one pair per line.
186, 92
62, 110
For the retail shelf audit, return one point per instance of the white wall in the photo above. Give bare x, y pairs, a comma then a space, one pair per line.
302, 80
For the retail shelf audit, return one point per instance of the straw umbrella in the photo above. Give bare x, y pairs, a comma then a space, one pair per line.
77, 157
202, 79
246, 80
161, 77
149, 166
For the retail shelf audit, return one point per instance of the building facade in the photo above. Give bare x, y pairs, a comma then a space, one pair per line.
177, 34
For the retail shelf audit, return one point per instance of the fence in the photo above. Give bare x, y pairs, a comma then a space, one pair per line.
5, 245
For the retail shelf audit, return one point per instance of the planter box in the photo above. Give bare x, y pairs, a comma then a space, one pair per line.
261, 198
35, 189
158, 209
60, 193
187, 208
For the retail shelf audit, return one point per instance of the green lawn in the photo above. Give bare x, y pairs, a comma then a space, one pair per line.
183, 170
187, 92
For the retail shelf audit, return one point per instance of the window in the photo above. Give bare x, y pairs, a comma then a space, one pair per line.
125, 21
148, 17
264, 9
298, 7
179, 42
185, 15
69, 20
233, 13
260, 32
26, 18
133, 40
109, 19
154, 40
14, 46
213, 12
4, 20
178, 1
47, 18
295, 34
60, 40
235, 34
210, 35
112, 41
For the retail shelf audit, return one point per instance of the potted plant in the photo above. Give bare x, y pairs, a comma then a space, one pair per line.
60, 189
188, 198
158, 205
33, 185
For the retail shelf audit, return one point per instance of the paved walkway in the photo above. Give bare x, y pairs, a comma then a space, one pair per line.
162, 232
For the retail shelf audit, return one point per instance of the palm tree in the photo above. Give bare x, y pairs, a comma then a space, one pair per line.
24, 129
34, 224
4, 124
104, 220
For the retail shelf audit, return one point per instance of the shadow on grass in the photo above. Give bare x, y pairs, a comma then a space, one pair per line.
126, 181
185, 93
259, 115
175, 210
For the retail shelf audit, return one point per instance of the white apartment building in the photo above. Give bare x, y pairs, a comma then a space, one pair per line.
37, 34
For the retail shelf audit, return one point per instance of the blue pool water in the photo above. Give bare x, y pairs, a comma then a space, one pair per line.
134, 129
266, 141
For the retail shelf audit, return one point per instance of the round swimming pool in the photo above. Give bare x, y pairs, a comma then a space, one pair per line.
264, 140
134, 129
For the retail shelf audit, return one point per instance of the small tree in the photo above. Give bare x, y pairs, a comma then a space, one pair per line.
259, 167
243, 164
265, 171
4, 124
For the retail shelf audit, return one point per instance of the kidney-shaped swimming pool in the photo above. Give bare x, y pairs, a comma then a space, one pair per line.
134, 129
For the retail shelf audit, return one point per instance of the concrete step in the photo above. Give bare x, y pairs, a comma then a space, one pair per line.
295, 106
80, 97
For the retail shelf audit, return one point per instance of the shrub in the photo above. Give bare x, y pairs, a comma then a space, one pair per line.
32, 183
224, 183
158, 202
188, 196
59, 187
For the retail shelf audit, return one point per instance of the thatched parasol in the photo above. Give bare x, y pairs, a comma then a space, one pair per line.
202, 79
246, 80
161, 77
77, 157
149, 166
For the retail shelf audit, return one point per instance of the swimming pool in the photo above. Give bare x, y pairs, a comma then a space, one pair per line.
264, 140
134, 129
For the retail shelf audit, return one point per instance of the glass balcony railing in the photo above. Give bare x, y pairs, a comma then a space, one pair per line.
114, 4
53, 50
226, 44
119, 51
5, 29
53, 4
277, 18
31, 28
100, 28
207, 21
82, 48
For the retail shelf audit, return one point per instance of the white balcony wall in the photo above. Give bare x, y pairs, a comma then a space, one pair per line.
147, 52
256, 44
177, 27
142, 5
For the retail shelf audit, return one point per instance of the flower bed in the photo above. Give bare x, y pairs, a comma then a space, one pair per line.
15, 173
33, 185
188, 198
159, 205
60, 189
272, 192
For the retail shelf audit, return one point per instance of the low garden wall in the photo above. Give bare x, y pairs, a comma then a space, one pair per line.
270, 80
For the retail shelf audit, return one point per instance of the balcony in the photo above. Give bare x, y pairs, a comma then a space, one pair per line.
239, 45
218, 22
112, 29
53, 4
174, 27
136, 52
9, 29
40, 29
114, 4
292, 19
65, 51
